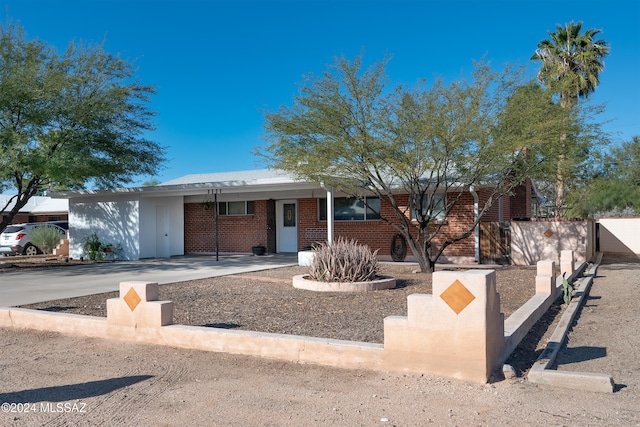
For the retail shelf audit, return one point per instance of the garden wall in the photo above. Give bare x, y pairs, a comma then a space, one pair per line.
543, 238
458, 331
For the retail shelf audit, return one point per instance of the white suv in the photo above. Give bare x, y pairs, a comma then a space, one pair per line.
14, 239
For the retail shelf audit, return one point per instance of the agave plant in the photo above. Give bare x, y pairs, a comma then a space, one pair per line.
344, 261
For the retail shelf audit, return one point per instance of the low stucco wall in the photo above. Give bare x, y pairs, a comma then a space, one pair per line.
457, 332
291, 348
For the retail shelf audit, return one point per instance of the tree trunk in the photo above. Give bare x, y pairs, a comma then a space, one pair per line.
560, 185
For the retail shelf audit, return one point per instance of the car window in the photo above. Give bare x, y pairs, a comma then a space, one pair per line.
13, 229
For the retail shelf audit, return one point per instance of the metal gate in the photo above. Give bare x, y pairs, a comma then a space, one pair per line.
495, 243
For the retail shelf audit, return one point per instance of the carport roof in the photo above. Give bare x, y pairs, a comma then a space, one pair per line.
254, 181
255, 177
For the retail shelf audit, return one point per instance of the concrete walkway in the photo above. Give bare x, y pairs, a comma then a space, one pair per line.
46, 284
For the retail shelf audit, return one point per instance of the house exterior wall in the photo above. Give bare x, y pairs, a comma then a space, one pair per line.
505, 208
115, 220
378, 234
236, 233
240, 233
27, 217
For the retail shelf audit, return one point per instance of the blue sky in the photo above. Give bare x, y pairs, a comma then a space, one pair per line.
216, 64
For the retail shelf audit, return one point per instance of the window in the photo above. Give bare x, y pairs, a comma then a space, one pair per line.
236, 208
439, 210
351, 209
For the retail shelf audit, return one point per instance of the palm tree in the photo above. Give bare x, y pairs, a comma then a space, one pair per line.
571, 64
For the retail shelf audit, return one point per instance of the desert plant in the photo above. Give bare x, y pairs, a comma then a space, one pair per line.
344, 261
46, 238
93, 248
567, 290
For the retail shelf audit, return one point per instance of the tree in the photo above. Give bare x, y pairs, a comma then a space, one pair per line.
614, 185
69, 120
571, 65
348, 130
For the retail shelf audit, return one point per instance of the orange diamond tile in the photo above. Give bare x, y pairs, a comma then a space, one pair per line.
132, 299
548, 233
457, 296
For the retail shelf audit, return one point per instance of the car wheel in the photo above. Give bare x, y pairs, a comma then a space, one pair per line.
30, 250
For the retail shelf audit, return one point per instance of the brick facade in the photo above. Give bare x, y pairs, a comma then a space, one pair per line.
235, 233
240, 233
26, 217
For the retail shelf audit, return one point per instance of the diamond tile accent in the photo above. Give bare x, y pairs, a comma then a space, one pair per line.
132, 299
457, 296
548, 233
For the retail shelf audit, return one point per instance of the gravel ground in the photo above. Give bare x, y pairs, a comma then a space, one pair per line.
75, 381
266, 301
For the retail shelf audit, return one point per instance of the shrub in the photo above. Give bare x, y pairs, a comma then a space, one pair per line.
93, 248
46, 238
344, 261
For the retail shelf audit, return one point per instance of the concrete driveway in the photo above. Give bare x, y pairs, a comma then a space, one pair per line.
46, 284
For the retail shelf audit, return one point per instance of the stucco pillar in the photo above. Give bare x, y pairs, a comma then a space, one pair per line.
456, 332
567, 262
138, 308
546, 277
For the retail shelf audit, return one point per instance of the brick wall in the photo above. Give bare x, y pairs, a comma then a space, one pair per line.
378, 234
25, 217
516, 206
521, 201
240, 233
235, 233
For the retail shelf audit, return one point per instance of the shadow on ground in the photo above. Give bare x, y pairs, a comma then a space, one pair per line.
72, 391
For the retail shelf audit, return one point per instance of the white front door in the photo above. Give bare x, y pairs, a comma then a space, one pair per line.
162, 232
286, 226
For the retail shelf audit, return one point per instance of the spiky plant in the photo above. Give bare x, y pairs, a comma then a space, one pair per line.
344, 261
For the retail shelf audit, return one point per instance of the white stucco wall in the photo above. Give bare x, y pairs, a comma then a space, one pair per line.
533, 241
115, 220
620, 236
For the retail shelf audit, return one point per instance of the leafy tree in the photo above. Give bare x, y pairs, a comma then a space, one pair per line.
615, 184
571, 63
623, 162
69, 119
347, 129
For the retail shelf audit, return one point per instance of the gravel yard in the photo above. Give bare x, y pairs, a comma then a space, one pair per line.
266, 301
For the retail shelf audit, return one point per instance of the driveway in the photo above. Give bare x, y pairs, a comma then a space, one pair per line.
45, 284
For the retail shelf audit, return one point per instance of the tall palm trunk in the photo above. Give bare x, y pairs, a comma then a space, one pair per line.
560, 184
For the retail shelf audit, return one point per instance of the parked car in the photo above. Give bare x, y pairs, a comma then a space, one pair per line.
14, 240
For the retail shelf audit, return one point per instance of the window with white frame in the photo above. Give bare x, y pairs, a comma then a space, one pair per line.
351, 209
236, 208
438, 207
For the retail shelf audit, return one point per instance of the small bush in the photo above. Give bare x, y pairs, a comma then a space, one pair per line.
46, 238
344, 261
93, 248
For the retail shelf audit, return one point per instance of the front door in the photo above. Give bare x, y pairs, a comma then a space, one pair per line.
287, 226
